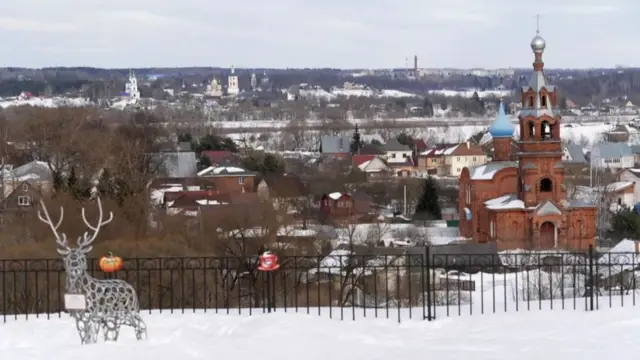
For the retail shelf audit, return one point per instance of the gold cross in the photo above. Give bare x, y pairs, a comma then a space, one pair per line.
537, 24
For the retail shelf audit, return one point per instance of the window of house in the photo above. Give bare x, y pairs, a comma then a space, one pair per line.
468, 194
492, 229
24, 200
458, 158
393, 155
404, 155
25, 187
474, 158
458, 169
241, 180
619, 201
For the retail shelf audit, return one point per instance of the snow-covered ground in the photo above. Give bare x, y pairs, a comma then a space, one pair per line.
563, 335
584, 134
469, 93
44, 102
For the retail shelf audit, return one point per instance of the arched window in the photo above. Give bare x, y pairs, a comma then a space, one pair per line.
543, 100
546, 131
532, 130
531, 101
492, 229
546, 185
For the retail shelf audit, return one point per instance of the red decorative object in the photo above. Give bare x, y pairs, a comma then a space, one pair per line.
268, 262
110, 263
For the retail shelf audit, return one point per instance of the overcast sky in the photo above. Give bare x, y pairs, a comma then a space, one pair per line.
316, 33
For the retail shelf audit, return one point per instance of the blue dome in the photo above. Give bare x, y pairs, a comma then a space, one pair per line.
501, 126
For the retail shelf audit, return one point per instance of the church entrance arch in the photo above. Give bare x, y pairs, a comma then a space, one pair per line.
548, 235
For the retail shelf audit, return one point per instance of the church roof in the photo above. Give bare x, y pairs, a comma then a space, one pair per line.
547, 208
501, 126
489, 170
505, 202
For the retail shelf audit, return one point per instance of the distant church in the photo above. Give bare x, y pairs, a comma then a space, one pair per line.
131, 91
233, 87
518, 199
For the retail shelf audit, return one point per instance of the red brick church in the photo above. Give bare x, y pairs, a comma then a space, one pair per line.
518, 200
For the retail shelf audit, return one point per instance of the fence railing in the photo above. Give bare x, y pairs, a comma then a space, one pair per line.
414, 286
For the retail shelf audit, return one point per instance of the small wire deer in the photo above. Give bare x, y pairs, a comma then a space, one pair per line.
108, 303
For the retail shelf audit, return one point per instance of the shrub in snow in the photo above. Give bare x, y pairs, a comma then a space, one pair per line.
451, 297
541, 285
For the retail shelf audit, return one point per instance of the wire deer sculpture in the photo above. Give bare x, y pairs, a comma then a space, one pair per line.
108, 303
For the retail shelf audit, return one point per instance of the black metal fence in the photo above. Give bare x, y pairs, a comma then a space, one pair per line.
407, 286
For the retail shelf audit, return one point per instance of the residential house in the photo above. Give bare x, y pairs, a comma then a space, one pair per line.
633, 176
619, 134
372, 165
20, 203
635, 150
335, 147
370, 149
462, 155
398, 154
220, 157
419, 146
230, 179
611, 156
430, 161
188, 202
287, 192
36, 173
343, 206
177, 164
620, 194
574, 154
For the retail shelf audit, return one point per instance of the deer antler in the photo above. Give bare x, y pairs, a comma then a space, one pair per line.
61, 239
85, 241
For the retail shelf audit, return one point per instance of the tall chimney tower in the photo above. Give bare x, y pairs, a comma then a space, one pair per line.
415, 64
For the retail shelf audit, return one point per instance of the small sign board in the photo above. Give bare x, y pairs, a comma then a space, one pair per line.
75, 302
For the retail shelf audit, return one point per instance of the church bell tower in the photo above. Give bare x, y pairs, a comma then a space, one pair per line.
540, 172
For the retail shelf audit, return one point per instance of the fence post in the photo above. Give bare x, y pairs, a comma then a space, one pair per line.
591, 278
427, 263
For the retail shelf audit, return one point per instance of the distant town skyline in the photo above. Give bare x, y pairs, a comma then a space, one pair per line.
331, 33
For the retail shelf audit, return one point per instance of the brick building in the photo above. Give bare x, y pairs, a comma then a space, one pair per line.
518, 199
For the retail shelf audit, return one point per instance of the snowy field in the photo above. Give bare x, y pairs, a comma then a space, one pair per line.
585, 133
562, 335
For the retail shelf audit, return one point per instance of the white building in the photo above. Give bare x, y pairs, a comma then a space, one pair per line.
233, 88
254, 82
214, 89
611, 156
397, 153
131, 88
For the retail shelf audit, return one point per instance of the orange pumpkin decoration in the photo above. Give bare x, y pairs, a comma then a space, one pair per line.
110, 263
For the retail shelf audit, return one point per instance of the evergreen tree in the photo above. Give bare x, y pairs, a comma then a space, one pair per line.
625, 224
203, 162
428, 207
405, 139
356, 142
